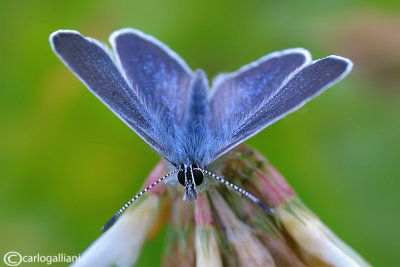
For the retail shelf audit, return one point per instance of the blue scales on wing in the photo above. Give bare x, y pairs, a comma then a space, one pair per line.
161, 80
245, 102
91, 61
155, 93
148, 86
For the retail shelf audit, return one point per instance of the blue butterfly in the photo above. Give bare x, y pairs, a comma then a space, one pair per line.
153, 90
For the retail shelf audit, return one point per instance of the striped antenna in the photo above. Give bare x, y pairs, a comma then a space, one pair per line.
243, 192
121, 210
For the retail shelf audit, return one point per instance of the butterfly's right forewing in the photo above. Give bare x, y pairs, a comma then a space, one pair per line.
93, 65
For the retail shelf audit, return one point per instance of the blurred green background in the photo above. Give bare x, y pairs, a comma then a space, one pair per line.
67, 163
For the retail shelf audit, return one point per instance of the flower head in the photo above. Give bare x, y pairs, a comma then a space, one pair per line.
221, 228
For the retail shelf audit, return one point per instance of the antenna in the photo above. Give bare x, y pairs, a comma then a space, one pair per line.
121, 210
243, 192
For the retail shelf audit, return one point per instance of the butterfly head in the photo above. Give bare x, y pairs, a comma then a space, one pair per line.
190, 176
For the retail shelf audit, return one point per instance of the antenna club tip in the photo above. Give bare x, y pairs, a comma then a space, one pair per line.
268, 209
116, 216
109, 223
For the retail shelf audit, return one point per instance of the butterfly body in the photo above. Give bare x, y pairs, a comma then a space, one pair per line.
172, 108
190, 144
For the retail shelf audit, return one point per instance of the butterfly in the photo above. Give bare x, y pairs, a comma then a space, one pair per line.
171, 107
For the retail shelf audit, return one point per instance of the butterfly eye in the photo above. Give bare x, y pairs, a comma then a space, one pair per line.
181, 177
194, 166
198, 177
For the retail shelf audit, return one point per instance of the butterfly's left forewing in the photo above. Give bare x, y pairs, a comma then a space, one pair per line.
294, 91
